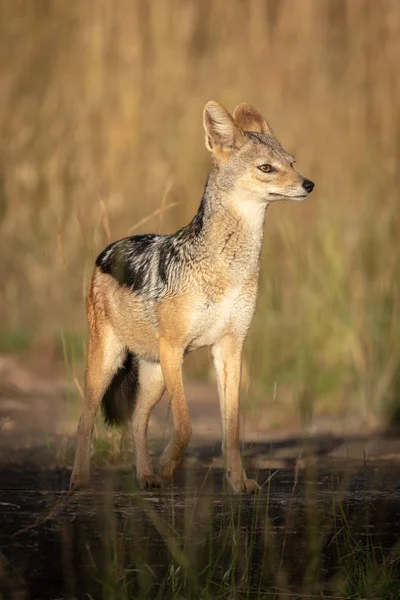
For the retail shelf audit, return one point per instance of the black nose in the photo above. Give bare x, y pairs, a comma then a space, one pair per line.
308, 185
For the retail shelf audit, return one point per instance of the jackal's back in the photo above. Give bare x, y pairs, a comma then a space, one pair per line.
153, 265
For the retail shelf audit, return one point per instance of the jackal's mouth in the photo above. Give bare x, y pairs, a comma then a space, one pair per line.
287, 197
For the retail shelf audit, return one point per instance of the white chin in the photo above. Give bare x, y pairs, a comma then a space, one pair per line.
298, 198
279, 197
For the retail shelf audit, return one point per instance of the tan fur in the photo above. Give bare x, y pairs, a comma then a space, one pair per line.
249, 119
151, 390
210, 302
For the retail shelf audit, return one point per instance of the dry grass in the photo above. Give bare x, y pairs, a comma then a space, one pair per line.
100, 116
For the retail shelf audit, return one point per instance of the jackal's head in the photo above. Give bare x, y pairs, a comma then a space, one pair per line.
248, 158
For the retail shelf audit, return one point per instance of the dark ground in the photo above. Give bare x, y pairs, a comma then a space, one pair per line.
55, 545
330, 505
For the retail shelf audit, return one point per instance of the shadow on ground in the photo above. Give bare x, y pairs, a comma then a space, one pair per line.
326, 524
321, 526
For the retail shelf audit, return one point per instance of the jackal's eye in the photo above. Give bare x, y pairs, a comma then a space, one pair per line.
266, 168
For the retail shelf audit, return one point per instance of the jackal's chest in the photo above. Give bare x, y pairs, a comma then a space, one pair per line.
212, 320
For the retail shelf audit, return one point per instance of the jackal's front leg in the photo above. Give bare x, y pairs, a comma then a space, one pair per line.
227, 354
171, 357
151, 388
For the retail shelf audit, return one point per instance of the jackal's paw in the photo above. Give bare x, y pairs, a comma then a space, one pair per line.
78, 484
149, 481
249, 486
167, 468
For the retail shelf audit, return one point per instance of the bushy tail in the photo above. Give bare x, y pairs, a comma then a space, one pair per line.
120, 397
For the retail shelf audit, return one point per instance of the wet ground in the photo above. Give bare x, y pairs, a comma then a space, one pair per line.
326, 524
57, 545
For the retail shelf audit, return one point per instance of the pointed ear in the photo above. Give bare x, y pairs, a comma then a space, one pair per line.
249, 119
222, 133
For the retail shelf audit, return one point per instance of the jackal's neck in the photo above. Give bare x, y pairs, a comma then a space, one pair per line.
228, 226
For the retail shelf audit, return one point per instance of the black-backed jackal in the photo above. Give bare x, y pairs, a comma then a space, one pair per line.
153, 298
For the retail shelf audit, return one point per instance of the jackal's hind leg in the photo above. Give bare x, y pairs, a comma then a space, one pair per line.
104, 359
227, 360
151, 389
171, 363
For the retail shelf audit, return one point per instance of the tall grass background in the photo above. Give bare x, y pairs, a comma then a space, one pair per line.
101, 136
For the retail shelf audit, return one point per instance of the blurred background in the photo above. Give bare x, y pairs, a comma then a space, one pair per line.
101, 137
